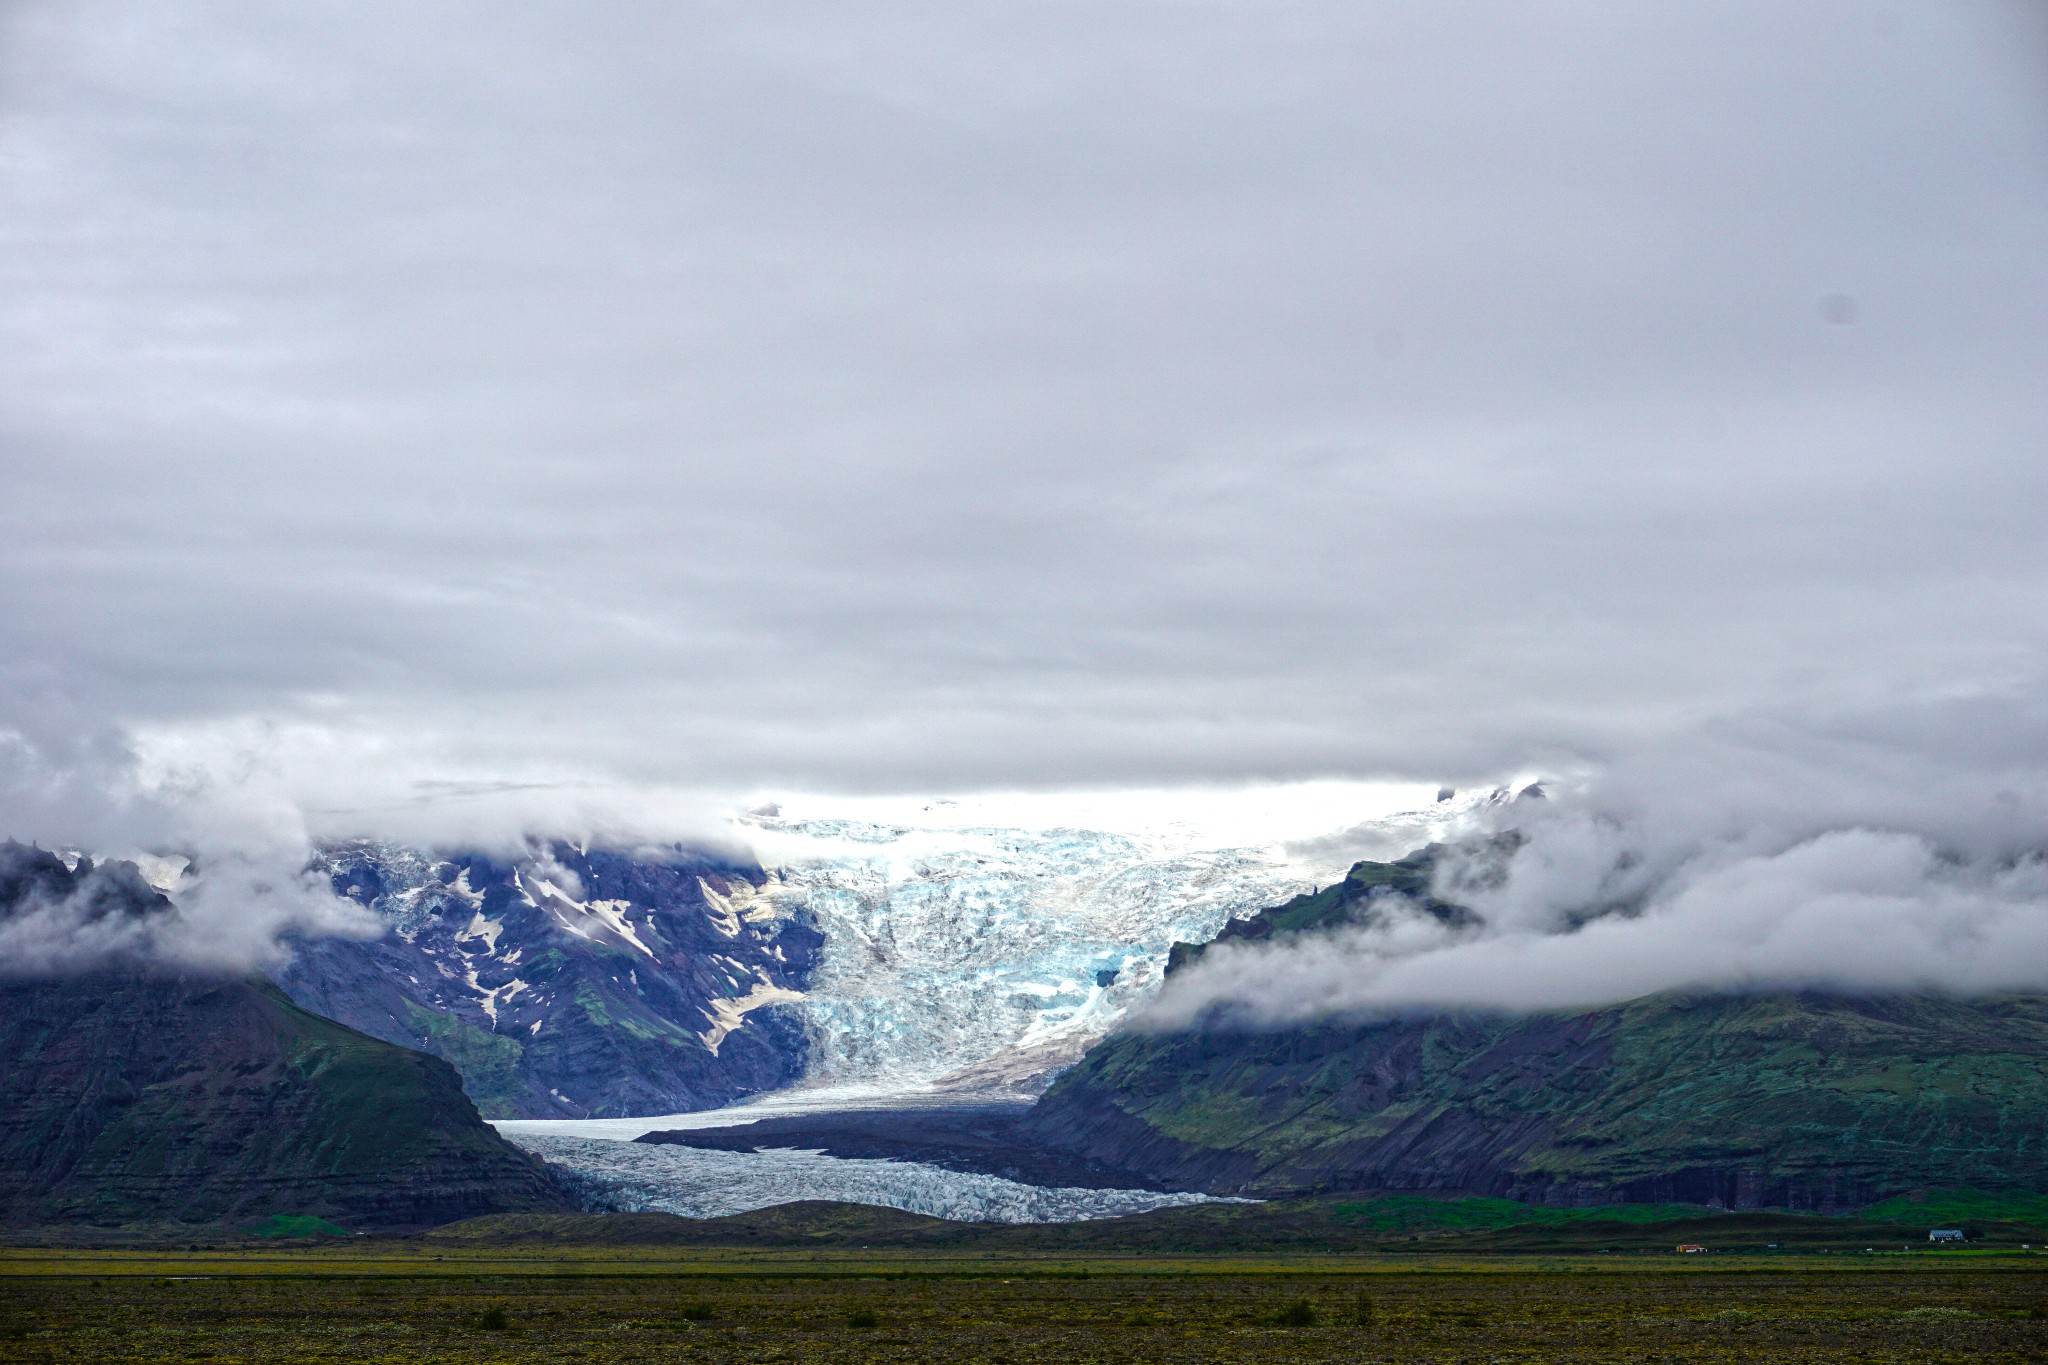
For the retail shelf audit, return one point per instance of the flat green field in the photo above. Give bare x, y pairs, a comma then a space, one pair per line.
392, 1304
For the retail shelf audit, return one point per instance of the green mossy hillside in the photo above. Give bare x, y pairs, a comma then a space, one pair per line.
133, 1095
293, 1226
155, 1099
1795, 1100
1802, 1100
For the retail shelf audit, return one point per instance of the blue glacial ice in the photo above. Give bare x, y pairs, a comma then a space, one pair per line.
987, 959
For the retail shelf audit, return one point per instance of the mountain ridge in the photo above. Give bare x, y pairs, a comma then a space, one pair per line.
132, 1093
1803, 1100
582, 982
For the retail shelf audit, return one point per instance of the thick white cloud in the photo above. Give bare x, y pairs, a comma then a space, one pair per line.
465, 418
230, 915
1873, 853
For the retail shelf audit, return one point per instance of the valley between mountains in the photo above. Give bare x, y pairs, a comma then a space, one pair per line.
946, 1021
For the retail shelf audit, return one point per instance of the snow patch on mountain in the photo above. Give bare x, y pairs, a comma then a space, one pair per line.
731, 1012
572, 981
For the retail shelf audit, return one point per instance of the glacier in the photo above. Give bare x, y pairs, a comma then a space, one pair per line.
869, 955
946, 948
956, 960
607, 1171
986, 959
632, 1177
976, 947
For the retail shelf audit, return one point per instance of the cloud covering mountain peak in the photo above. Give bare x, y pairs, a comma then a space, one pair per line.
1874, 853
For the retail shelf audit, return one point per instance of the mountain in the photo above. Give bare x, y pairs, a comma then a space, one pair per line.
1353, 901
579, 982
130, 1094
586, 982
1797, 1100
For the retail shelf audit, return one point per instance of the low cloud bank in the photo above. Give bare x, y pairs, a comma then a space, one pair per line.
232, 916
1901, 851
236, 851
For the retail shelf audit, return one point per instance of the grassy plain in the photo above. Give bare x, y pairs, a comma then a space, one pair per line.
423, 1301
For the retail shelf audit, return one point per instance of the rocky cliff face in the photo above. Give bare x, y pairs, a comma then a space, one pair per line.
575, 983
1784, 1100
132, 1095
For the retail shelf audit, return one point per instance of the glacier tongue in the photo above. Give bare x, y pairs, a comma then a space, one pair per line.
975, 958
988, 958
632, 1177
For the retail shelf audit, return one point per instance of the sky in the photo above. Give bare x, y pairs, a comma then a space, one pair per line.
441, 419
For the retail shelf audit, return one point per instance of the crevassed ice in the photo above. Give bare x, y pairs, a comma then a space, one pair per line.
631, 1177
990, 957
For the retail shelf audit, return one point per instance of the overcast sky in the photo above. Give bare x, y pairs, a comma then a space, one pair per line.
403, 401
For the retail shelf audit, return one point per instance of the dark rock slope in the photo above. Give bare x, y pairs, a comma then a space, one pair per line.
575, 983
987, 1138
132, 1096
1799, 1100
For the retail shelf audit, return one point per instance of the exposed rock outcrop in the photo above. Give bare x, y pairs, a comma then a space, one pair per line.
583, 982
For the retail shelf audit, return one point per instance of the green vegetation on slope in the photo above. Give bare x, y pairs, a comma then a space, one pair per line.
1798, 1100
293, 1225
487, 1062
129, 1100
1404, 1213
131, 1094
1802, 1100
1957, 1208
